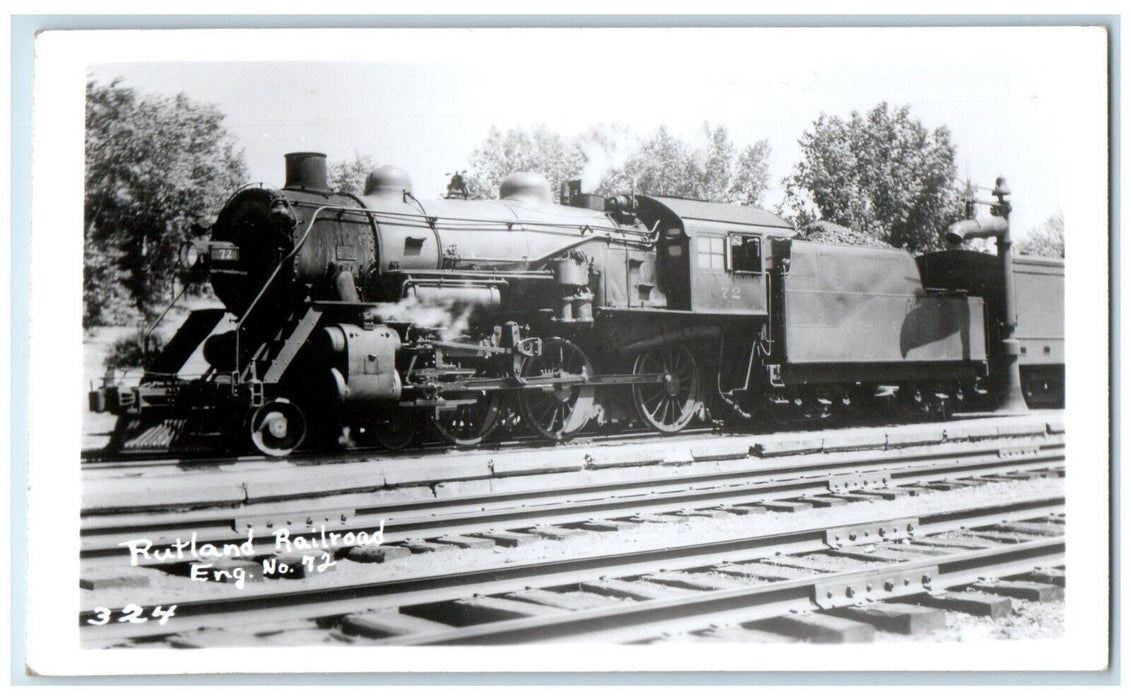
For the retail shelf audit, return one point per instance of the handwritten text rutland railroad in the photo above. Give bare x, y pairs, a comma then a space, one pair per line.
314, 547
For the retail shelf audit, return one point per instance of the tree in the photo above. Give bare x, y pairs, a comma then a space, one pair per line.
883, 174
1046, 240
539, 150
718, 165
661, 165
155, 166
752, 175
666, 165
349, 175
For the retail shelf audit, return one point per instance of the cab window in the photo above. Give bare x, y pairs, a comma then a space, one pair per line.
744, 253
712, 253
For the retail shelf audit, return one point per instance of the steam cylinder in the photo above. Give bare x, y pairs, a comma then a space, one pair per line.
366, 367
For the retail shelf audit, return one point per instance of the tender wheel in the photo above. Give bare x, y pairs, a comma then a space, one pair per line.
277, 428
781, 409
558, 412
818, 406
670, 405
469, 424
941, 402
915, 402
397, 433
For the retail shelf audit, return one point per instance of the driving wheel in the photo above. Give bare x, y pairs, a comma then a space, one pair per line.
669, 405
558, 411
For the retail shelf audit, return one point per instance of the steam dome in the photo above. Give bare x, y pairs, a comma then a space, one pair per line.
387, 181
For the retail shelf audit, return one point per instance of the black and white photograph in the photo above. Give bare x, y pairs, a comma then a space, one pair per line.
674, 348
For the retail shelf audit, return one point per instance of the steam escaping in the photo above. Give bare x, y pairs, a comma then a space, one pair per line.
597, 163
449, 318
606, 147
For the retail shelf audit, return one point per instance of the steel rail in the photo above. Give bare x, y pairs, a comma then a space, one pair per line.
637, 620
767, 468
343, 599
654, 455
528, 508
93, 459
947, 464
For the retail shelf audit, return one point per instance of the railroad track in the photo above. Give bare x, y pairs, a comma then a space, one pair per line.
642, 595
102, 459
99, 459
615, 497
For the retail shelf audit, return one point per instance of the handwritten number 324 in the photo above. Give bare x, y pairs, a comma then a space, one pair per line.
134, 614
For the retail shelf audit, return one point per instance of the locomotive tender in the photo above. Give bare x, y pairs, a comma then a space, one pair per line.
369, 316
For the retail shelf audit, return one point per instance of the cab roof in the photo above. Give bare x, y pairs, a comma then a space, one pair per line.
697, 210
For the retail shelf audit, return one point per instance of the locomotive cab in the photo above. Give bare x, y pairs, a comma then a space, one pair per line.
713, 257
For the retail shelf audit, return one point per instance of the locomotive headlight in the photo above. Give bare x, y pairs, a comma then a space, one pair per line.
189, 255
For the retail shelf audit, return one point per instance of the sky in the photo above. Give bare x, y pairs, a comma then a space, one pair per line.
423, 102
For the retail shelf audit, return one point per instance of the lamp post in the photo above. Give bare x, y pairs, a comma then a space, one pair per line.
997, 226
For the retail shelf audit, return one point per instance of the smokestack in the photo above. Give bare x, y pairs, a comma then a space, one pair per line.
307, 171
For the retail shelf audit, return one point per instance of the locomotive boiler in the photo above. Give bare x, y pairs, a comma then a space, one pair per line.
365, 318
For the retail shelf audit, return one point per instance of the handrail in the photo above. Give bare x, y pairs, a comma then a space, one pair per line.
478, 274
651, 240
247, 186
153, 326
287, 258
648, 238
431, 221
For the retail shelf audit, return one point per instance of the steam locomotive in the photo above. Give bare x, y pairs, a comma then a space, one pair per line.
364, 318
